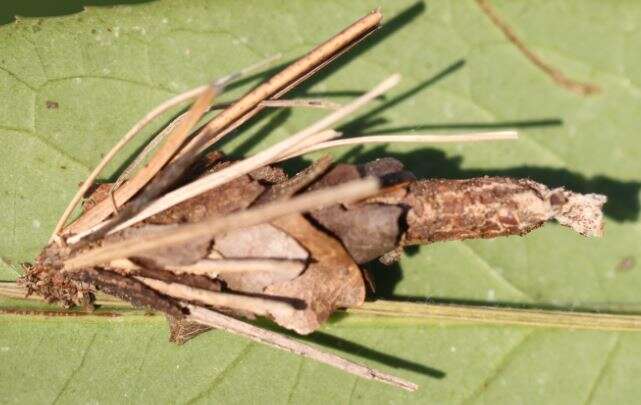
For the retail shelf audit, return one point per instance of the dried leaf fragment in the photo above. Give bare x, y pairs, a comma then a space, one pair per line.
333, 281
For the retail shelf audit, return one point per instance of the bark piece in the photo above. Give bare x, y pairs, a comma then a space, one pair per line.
488, 207
269, 174
341, 173
99, 193
366, 230
45, 279
388, 170
129, 289
233, 196
298, 182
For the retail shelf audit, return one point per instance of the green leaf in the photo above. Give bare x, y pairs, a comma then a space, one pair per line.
72, 85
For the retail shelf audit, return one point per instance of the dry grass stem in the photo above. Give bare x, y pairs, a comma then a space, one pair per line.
501, 316
212, 268
409, 138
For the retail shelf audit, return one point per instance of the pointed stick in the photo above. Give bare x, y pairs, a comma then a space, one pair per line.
289, 103
409, 138
256, 305
288, 78
265, 157
301, 102
248, 105
215, 267
129, 170
237, 327
347, 192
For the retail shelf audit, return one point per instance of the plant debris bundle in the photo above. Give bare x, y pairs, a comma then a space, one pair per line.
210, 241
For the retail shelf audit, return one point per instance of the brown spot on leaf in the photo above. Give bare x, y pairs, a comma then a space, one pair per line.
626, 264
51, 105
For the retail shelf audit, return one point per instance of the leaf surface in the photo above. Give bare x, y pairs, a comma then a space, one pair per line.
72, 85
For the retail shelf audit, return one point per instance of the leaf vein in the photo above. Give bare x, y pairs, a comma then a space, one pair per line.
500, 367
221, 376
604, 368
75, 372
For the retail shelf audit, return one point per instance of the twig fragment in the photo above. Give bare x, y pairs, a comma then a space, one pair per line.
256, 305
225, 266
231, 325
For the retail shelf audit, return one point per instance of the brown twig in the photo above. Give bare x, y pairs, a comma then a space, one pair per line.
555, 74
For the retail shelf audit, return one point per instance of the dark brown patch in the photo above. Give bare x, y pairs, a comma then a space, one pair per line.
129, 289
367, 231
51, 105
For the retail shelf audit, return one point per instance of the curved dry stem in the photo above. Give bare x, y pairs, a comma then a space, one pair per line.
135, 130
409, 138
